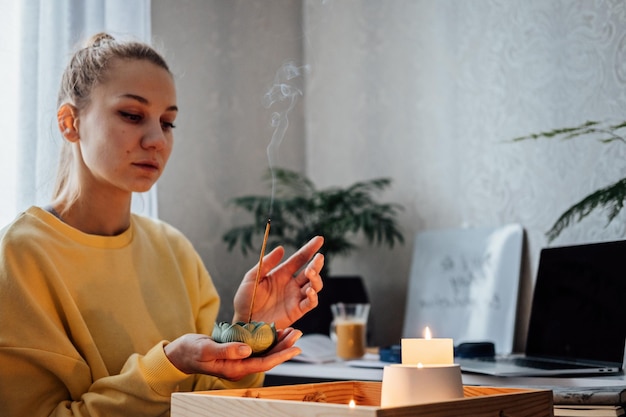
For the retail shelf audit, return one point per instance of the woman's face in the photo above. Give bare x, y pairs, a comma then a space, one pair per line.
125, 132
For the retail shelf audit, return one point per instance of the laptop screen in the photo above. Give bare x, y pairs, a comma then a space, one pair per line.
578, 305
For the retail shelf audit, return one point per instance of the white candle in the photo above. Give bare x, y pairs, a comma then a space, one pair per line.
427, 373
427, 351
409, 384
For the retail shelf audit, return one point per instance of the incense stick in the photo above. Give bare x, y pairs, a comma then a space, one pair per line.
258, 272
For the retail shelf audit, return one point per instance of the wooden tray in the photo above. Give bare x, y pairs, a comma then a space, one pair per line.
331, 399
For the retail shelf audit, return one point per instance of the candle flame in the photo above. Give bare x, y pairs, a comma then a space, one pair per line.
351, 404
420, 365
427, 334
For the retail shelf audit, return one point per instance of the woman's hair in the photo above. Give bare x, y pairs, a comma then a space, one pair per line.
86, 69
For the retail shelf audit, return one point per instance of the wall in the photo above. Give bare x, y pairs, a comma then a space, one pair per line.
426, 92
429, 92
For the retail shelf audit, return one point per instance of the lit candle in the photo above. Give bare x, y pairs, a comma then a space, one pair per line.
427, 373
427, 351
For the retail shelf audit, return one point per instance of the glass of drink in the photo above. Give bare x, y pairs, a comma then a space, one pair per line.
349, 328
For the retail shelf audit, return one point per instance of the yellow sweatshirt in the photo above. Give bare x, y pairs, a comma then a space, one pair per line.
84, 318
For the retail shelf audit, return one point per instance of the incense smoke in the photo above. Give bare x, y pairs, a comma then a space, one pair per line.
284, 90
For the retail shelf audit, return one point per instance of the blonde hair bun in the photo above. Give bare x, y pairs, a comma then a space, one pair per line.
99, 39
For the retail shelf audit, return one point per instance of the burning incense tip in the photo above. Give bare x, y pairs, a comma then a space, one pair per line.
258, 272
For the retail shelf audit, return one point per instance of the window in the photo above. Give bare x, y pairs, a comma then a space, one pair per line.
9, 32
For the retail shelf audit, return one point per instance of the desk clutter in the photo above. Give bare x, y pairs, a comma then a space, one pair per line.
464, 284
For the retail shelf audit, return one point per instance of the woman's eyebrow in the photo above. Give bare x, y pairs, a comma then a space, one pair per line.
143, 100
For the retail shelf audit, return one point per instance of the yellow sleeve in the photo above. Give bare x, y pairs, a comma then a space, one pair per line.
206, 382
50, 364
143, 387
43, 346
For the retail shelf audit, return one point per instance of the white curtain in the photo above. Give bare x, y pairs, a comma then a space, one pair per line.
50, 30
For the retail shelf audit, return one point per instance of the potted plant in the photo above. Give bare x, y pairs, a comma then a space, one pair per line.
611, 197
299, 211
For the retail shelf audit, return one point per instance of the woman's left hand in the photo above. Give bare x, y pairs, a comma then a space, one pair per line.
286, 291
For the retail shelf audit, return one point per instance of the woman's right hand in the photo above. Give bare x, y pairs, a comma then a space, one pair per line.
199, 354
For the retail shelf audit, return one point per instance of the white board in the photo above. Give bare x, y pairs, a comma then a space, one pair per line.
464, 285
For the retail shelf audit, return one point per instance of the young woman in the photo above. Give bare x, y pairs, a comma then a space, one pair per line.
104, 312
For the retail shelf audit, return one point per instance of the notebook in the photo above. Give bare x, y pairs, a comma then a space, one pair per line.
577, 322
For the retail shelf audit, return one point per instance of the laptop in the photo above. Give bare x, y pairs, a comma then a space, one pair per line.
578, 318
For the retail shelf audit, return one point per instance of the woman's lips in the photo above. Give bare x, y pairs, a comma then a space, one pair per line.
150, 165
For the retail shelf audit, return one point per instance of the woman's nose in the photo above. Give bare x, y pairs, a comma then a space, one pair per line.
154, 137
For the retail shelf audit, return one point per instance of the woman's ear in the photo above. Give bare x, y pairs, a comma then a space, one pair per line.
68, 122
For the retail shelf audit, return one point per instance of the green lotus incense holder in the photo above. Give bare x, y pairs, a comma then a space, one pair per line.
260, 336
